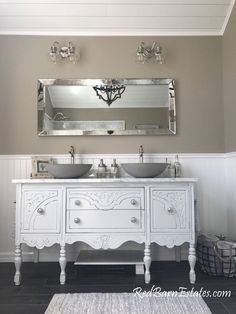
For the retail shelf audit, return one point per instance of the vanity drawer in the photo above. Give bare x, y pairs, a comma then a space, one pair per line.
100, 220
114, 198
170, 210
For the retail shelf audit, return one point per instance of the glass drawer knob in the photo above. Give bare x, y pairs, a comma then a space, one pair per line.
133, 202
40, 211
171, 210
77, 220
77, 202
133, 220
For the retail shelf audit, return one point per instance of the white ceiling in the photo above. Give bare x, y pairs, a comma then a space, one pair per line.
115, 17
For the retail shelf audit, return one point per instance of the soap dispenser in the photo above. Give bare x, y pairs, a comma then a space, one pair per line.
101, 171
177, 166
114, 169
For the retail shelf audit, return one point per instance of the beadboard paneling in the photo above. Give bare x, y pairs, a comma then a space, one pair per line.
115, 17
230, 195
215, 195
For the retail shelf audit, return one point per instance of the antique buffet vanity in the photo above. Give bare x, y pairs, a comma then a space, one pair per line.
105, 213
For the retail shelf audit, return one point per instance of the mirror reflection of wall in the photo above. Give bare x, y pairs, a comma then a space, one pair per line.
134, 119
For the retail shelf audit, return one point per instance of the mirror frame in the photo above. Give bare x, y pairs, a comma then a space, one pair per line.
43, 83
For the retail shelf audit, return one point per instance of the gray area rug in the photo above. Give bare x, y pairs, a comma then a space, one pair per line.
125, 303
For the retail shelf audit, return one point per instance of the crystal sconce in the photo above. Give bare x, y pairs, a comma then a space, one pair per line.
147, 53
68, 52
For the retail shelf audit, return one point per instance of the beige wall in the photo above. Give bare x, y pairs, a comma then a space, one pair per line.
229, 80
194, 62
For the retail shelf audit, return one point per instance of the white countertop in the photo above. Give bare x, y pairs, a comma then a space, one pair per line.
106, 180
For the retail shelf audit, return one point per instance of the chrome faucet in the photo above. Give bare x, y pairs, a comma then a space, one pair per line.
141, 153
72, 155
59, 116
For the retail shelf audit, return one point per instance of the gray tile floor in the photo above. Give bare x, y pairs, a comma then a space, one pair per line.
40, 281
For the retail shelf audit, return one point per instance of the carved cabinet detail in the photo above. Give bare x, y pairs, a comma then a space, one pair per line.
110, 209
169, 211
105, 199
41, 211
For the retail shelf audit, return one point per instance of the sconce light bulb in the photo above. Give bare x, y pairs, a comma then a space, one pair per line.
159, 58
53, 57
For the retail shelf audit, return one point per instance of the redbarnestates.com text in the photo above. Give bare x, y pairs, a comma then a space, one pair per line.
181, 292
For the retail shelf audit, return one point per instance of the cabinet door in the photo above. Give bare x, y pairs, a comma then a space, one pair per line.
170, 210
41, 211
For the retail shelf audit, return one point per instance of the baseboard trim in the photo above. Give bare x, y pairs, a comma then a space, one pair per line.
8, 257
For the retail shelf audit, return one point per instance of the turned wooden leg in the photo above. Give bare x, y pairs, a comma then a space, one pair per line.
192, 262
147, 261
18, 262
62, 261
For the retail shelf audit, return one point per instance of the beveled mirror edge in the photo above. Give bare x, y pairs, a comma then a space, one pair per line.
42, 83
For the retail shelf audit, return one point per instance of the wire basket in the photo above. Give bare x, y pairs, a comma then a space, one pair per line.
215, 256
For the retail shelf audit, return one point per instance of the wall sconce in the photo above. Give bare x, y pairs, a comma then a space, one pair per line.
146, 53
109, 93
68, 52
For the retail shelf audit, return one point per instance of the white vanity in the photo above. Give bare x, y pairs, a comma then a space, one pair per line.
105, 213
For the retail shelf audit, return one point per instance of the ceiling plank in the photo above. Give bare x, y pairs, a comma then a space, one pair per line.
112, 10
146, 2
113, 23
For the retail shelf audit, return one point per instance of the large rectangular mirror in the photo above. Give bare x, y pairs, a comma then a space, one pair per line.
106, 107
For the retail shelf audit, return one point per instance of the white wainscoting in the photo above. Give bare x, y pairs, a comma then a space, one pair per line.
230, 193
215, 194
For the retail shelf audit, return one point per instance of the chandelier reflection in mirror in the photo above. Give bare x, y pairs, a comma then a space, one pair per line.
109, 93
58, 53
147, 53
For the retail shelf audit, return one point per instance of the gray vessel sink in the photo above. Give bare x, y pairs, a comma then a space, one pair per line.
144, 170
68, 171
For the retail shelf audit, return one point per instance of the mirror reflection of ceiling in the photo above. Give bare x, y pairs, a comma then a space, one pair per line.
85, 97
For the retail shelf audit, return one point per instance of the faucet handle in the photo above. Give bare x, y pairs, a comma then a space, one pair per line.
72, 150
72, 154
141, 151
